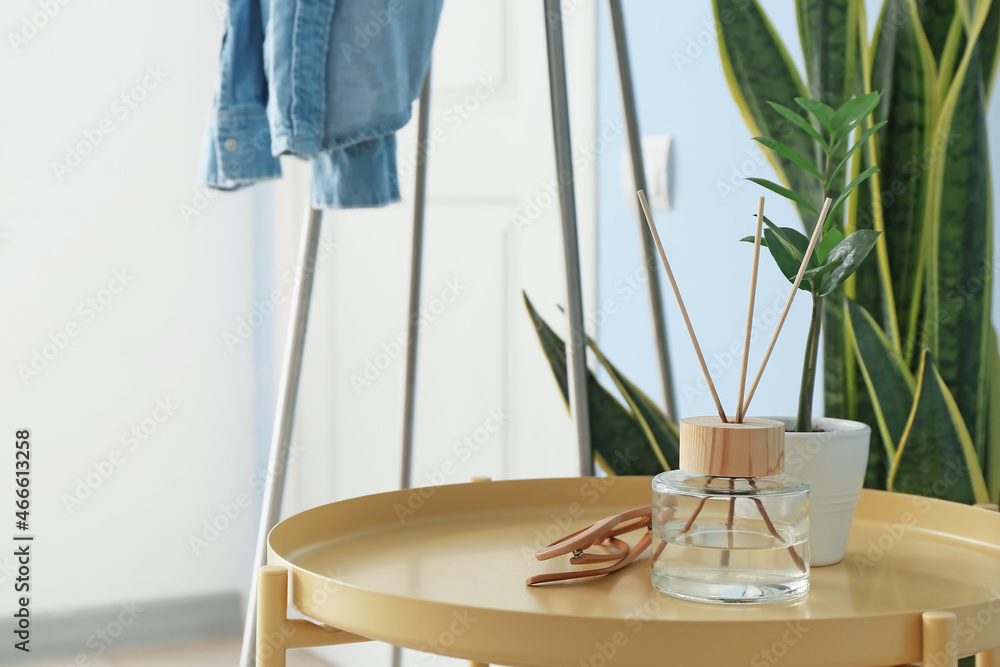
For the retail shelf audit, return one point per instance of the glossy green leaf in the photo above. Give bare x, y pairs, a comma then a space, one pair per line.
935, 456
789, 154
759, 70
782, 257
799, 122
843, 260
803, 203
620, 445
787, 249
889, 383
828, 242
794, 240
853, 111
822, 112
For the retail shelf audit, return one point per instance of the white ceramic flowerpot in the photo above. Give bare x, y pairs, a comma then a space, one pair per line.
834, 460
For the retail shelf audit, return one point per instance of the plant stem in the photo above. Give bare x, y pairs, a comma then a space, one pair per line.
804, 422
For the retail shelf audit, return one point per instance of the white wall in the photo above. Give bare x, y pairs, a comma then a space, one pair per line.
158, 338
161, 336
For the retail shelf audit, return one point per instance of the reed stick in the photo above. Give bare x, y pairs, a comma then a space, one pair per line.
753, 297
680, 302
791, 297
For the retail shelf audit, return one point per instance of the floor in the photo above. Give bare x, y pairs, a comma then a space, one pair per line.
215, 653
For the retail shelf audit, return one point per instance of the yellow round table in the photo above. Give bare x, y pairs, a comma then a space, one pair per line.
442, 570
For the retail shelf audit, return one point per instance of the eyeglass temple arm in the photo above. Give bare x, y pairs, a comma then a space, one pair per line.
585, 537
636, 551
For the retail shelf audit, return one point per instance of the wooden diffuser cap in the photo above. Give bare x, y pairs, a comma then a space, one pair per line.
755, 448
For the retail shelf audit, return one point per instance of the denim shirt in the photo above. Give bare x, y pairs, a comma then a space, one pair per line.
327, 80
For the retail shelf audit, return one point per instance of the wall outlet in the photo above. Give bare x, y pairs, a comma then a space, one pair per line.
656, 161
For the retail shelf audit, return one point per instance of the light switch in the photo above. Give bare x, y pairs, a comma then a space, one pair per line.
656, 161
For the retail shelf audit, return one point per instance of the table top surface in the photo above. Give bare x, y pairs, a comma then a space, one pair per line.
442, 569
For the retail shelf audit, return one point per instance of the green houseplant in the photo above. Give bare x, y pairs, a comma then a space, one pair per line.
909, 345
831, 453
908, 341
836, 257
842, 452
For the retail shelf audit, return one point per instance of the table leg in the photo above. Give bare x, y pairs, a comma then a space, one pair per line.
989, 658
940, 639
276, 633
272, 607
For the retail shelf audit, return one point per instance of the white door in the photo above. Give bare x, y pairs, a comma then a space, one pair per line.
487, 403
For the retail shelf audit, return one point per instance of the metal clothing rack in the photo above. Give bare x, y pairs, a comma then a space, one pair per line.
576, 341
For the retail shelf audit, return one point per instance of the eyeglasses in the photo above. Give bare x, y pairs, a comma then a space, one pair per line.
603, 535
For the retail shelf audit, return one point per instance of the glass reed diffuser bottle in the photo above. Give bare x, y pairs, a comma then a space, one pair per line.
730, 526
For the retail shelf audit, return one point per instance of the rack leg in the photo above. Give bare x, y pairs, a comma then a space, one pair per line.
639, 177
281, 436
940, 639
416, 263
576, 342
413, 314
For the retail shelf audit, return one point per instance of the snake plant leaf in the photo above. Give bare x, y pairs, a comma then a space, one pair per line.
935, 18
890, 384
954, 45
803, 203
829, 46
993, 454
620, 446
937, 34
988, 52
871, 285
845, 259
759, 69
663, 437
935, 456
789, 154
903, 67
799, 122
959, 246
822, 112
